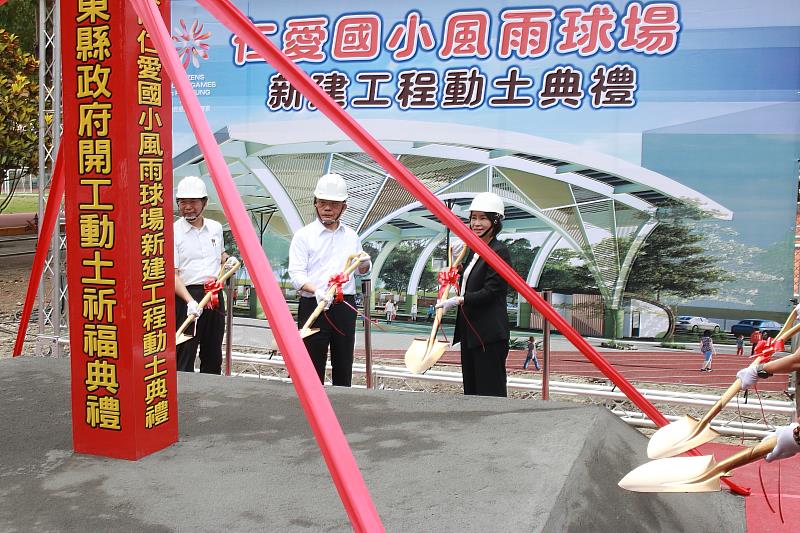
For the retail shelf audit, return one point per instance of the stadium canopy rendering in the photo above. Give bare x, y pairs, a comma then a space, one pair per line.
556, 194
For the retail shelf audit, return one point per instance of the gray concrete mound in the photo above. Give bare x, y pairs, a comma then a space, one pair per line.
247, 461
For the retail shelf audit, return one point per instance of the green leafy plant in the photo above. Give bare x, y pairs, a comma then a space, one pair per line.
616, 345
19, 127
674, 345
518, 343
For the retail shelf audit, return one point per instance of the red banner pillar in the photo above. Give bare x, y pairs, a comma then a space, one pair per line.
117, 162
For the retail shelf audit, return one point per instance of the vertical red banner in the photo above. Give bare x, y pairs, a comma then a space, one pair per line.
118, 167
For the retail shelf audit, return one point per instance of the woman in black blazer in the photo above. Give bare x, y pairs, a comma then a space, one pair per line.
482, 319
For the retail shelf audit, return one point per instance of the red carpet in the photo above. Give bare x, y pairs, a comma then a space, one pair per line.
760, 519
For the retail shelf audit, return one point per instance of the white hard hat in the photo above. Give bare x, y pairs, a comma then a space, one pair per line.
331, 187
488, 202
191, 187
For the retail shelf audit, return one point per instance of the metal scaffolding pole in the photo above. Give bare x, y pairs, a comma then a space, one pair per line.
52, 322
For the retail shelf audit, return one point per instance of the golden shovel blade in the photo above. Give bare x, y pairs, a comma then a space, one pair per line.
183, 337
675, 474
307, 332
678, 437
420, 356
434, 354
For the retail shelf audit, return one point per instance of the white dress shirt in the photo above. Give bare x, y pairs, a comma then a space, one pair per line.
468, 271
317, 253
198, 251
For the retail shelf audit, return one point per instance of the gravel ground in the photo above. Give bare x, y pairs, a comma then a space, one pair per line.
14, 275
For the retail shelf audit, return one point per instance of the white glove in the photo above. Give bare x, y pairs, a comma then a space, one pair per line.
322, 296
192, 308
448, 304
456, 246
786, 446
230, 262
748, 376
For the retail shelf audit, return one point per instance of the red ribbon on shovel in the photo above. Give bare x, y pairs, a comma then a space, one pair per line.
767, 348
337, 280
213, 286
448, 278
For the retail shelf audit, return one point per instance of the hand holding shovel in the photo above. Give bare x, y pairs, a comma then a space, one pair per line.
422, 354
180, 336
350, 265
688, 432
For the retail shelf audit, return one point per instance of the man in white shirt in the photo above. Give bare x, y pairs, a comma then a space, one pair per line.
319, 251
389, 310
199, 252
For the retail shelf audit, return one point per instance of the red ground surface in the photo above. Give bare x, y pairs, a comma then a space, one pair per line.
641, 366
781, 483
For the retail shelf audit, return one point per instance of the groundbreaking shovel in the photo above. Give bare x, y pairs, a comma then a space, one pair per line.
691, 474
180, 336
424, 353
688, 432
350, 265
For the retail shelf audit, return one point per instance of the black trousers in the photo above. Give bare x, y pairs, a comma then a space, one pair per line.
208, 332
484, 372
341, 342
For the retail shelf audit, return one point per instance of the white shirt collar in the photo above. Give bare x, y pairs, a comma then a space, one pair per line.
321, 228
187, 227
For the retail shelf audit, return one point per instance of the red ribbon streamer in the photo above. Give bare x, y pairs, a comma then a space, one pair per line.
767, 348
337, 280
447, 278
213, 286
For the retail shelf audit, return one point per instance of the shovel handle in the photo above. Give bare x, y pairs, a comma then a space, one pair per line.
202, 303
789, 320
349, 266
437, 319
747, 456
734, 389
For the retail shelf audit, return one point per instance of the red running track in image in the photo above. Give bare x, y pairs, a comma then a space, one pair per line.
679, 367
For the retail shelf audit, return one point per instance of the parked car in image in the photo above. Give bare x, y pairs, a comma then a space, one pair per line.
746, 327
695, 324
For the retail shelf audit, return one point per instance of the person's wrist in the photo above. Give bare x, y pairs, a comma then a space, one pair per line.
762, 373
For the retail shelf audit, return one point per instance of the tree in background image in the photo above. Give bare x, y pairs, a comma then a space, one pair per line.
762, 274
20, 17
19, 126
522, 254
675, 261
396, 271
566, 273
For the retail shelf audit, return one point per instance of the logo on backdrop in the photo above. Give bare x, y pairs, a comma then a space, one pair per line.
191, 43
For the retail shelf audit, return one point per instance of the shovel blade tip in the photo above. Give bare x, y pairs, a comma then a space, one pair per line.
308, 332
679, 437
420, 357
674, 474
